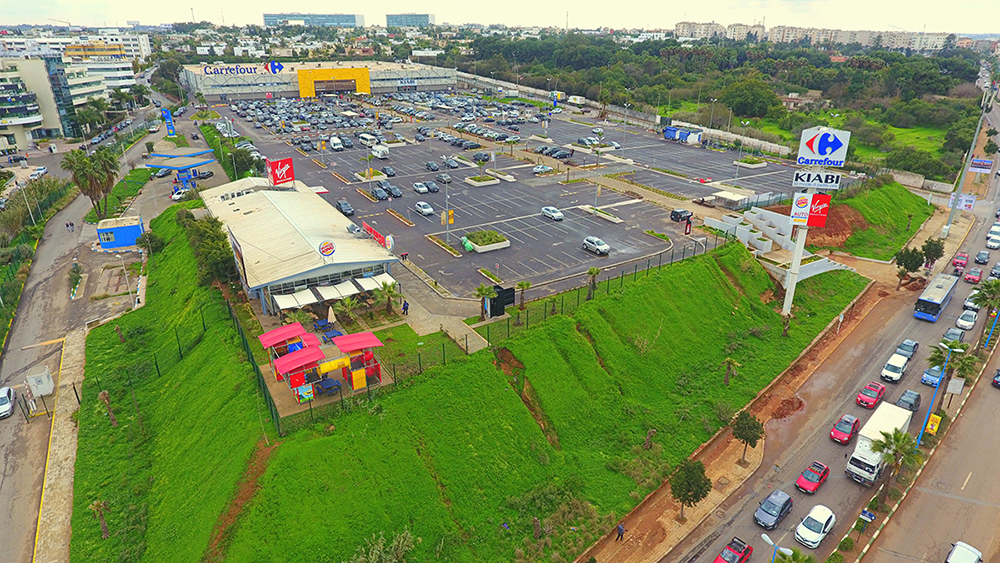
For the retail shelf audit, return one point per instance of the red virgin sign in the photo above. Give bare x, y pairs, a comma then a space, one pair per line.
818, 209
377, 236
281, 171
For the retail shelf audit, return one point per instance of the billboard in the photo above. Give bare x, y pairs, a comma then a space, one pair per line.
800, 209
280, 171
981, 166
810, 210
823, 146
817, 180
965, 202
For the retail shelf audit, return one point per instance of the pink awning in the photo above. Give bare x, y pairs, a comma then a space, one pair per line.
353, 342
310, 339
298, 359
281, 334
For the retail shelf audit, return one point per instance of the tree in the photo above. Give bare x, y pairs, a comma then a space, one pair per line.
988, 299
749, 98
933, 249
901, 447
101, 106
121, 97
959, 361
105, 398
346, 306
796, 557
105, 168
991, 132
731, 366
747, 429
593, 272
909, 260
83, 173
140, 92
99, 507
298, 316
689, 485
990, 147
387, 293
522, 286
484, 292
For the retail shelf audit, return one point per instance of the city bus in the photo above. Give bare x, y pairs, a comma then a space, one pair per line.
368, 140
935, 297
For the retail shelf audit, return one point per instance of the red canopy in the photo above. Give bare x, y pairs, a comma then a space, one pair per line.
310, 339
298, 359
353, 342
281, 334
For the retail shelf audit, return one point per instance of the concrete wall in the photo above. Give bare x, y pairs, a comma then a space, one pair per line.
908, 179
940, 187
774, 225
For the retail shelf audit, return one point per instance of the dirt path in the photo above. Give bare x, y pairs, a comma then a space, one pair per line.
245, 491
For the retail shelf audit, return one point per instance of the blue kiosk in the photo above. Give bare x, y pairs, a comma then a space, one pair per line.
184, 160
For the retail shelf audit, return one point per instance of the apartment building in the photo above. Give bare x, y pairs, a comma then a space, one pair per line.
695, 30
135, 45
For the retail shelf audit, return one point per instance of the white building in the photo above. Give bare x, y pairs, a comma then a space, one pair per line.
136, 45
696, 30
113, 73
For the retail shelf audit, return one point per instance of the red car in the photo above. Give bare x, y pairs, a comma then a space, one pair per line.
845, 429
961, 259
707, 180
736, 552
814, 476
975, 275
871, 395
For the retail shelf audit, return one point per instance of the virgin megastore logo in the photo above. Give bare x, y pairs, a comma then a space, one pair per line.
823, 146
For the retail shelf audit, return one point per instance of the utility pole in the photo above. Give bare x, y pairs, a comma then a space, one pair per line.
965, 165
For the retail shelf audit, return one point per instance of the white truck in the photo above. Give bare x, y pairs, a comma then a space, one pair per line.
578, 100
865, 466
380, 151
335, 144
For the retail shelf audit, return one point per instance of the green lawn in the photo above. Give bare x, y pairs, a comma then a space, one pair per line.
165, 486
887, 210
206, 114
458, 459
929, 139
179, 141
126, 189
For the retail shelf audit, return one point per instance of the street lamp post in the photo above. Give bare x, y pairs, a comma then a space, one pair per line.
128, 285
236, 172
930, 407
711, 120
774, 556
744, 123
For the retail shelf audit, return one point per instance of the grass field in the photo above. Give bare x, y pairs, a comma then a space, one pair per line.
179, 141
458, 459
126, 189
887, 210
165, 485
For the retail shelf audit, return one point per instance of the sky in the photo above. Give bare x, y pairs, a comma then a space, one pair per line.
955, 16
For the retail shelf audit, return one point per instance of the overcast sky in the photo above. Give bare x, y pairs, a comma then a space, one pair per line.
958, 16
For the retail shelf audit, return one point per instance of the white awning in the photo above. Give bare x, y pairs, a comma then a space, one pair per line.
285, 302
305, 297
383, 278
329, 293
368, 284
346, 289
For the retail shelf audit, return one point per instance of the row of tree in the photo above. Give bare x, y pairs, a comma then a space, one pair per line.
95, 174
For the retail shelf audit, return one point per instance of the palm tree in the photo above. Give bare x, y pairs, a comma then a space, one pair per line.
959, 362
101, 106
593, 272
731, 366
121, 97
987, 298
484, 292
796, 557
87, 117
522, 286
99, 507
901, 447
388, 294
106, 167
298, 316
347, 306
77, 163
140, 92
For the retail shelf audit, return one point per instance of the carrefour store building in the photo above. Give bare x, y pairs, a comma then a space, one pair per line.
312, 79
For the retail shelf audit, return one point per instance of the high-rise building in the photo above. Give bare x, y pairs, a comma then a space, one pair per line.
409, 20
325, 20
136, 45
109, 62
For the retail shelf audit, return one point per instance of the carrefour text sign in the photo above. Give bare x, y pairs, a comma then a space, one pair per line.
272, 67
823, 146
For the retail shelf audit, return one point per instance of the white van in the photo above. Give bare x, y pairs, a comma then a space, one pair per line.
335, 144
380, 152
367, 140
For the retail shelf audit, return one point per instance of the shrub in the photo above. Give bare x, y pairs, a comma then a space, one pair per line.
835, 558
152, 242
846, 544
184, 217
482, 238
75, 272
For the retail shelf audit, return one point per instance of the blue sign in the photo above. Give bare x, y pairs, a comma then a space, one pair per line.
867, 516
274, 67
169, 118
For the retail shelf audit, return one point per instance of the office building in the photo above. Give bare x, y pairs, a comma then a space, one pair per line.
109, 62
409, 20
323, 20
135, 45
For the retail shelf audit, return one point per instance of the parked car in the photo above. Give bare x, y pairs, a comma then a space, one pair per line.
420, 188
773, 509
680, 215
596, 245
179, 194
394, 191
983, 257
967, 320
379, 193
597, 130
344, 207
424, 208
389, 171
541, 169
910, 400
451, 163
815, 526
737, 551
432, 166
962, 552
932, 376
443, 178
206, 174
908, 348
162, 173
870, 395
432, 186
996, 379
552, 213
813, 476
6, 402
845, 429
952, 334
970, 303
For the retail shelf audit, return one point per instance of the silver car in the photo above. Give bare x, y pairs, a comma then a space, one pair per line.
424, 208
596, 245
552, 213
6, 402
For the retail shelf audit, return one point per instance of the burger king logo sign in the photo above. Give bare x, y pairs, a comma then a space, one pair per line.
800, 209
327, 248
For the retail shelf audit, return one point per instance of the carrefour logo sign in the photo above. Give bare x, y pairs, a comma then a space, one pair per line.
823, 146
273, 67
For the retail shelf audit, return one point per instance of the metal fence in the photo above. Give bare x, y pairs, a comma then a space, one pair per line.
759, 200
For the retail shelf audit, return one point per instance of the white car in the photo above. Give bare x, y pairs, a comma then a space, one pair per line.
420, 187
895, 368
541, 169
179, 195
513, 139
962, 552
967, 320
993, 243
41, 170
552, 213
815, 526
424, 208
557, 110
6, 402
597, 130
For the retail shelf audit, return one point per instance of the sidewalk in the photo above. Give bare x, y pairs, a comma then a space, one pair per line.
429, 312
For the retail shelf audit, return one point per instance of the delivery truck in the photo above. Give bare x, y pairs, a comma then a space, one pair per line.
380, 152
865, 466
578, 100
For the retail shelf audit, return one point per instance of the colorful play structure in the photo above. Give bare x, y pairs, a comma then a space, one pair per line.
296, 357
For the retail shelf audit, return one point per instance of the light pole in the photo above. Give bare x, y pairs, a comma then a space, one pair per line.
744, 123
128, 286
235, 171
774, 556
930, 407
711, 120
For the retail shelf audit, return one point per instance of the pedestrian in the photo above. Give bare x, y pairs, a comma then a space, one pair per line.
621, 531
67, 227
406, 307
72, 227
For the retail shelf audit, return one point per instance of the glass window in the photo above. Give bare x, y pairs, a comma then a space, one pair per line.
107, 236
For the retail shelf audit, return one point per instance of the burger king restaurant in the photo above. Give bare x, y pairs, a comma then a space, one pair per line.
312, 79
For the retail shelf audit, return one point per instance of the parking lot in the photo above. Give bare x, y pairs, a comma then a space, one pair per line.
545, 252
